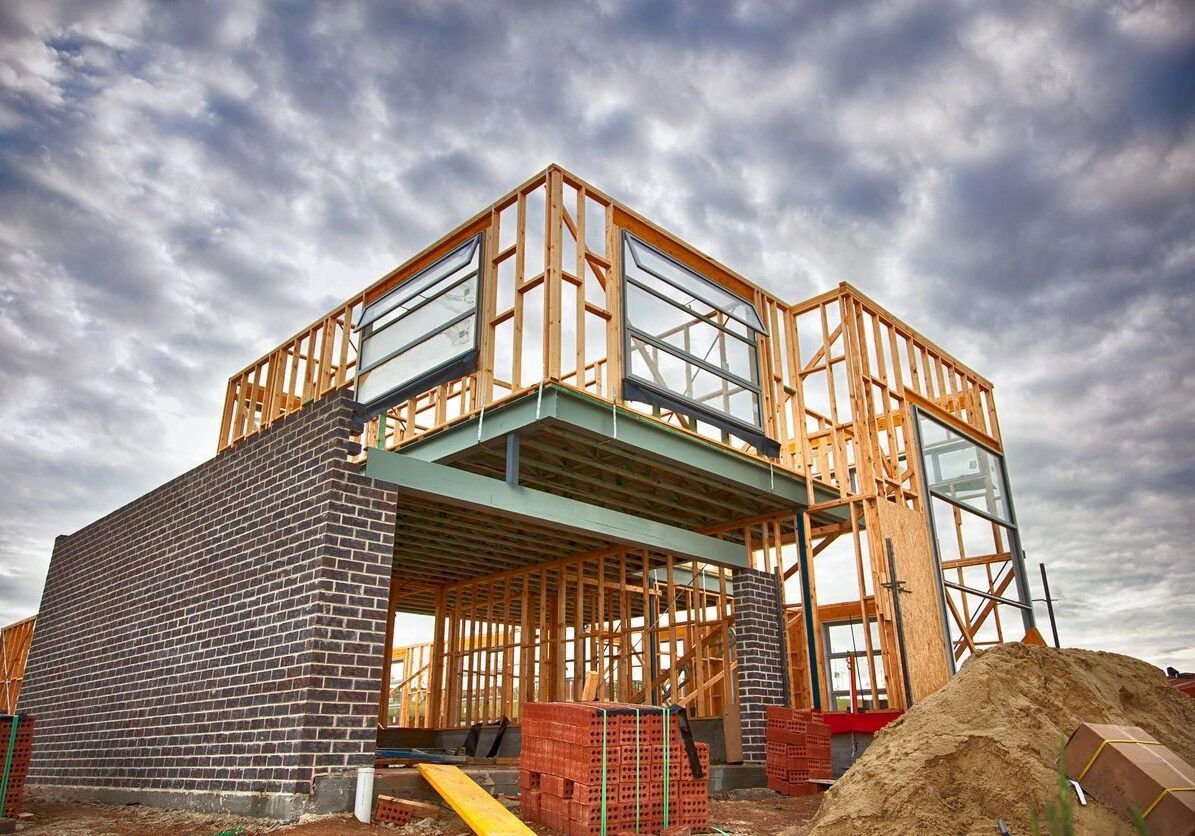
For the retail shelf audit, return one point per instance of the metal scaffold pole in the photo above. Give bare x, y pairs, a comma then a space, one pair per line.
1045, 583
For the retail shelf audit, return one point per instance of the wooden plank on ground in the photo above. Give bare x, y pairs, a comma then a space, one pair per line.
589, 692
733, 733
480, 810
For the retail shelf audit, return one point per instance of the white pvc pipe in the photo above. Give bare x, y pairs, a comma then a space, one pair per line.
363, 809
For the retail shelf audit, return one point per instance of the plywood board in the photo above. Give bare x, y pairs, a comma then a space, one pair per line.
480, 810
920, 606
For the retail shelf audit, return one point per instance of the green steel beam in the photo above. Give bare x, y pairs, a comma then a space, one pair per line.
578, 412
684, 577
469, 490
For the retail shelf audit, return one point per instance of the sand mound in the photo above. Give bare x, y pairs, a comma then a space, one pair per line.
984, 747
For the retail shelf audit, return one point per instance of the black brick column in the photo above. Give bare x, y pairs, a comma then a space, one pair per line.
760, 646
223, 633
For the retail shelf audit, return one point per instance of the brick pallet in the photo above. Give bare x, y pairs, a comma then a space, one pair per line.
798, 750
573, 758
21, 751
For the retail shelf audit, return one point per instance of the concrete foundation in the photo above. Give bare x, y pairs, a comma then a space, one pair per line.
334, 793
709, 731
846, 748
283, 806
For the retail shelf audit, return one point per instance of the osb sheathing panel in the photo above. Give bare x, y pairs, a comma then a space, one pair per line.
920, 606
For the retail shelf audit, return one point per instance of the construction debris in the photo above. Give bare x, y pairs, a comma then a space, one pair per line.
401, 812
987, 745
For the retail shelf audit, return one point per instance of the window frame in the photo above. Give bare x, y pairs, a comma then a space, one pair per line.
1016, 552
460, 364
857, 655
1006, 494
636, 388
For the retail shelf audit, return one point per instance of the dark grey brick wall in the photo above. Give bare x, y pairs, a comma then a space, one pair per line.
223, 632
759, 643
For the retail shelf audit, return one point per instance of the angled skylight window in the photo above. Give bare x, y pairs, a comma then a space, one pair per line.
688, 289
963, 472
423, 332
690, 344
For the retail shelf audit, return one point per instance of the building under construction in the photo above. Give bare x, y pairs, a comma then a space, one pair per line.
565, 444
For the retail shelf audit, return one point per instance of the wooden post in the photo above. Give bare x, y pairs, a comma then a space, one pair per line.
553, 289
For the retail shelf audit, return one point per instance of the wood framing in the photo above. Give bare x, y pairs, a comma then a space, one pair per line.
635, 623
540, 499
14, 650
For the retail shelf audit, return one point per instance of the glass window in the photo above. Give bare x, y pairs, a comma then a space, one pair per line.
691, 344
406, 295
419, 334
669, 324
677, 373
698, 293
387, 339
959, 470
850, 673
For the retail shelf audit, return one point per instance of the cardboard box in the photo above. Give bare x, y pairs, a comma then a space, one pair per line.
1128, 770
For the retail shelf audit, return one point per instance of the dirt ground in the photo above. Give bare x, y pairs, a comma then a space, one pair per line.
748, 814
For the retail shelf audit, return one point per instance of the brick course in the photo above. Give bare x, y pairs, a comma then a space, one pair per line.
223, 632
760, 646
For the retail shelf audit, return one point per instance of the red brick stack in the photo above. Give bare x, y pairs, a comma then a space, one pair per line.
563, 760
798, 749
20, 760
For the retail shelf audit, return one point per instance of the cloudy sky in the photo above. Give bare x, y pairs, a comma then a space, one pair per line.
183, 185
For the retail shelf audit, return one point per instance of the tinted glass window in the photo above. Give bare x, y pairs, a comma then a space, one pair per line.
962, 471
426, 324
690, 340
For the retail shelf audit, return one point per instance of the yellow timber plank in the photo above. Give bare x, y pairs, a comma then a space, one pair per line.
480, 810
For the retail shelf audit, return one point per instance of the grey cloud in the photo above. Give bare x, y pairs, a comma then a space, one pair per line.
184, 185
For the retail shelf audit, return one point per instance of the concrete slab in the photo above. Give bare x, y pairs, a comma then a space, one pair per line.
709, 731
846, 748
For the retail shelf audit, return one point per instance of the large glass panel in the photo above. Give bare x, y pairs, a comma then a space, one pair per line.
674, 373
698, 292
960, 470
427, 323
418, 360
424, 320
690, 341
708, 343
688, 305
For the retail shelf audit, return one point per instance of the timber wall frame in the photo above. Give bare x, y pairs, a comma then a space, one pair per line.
14, 651
841, 381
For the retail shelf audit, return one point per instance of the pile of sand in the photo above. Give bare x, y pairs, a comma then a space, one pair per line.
984, 747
